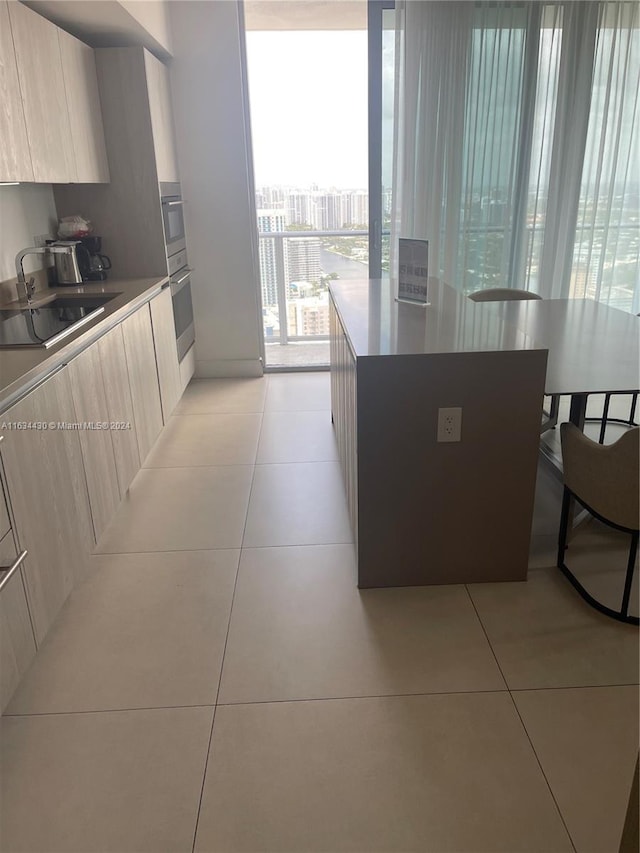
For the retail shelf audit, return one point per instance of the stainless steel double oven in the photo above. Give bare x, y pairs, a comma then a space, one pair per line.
179, 269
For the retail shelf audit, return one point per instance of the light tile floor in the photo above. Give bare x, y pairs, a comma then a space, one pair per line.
220, 684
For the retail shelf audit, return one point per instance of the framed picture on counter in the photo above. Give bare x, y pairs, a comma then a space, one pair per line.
413, 271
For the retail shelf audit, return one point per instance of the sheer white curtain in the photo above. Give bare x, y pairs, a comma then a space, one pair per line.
606, 249
517, 148
432, 55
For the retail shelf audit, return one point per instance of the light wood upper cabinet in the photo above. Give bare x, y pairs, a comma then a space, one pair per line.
37, 51
48, 490
164, 337
161, 118
143, 378
85, 116
15, 156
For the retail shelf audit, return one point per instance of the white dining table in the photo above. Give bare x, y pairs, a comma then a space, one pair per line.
593, 348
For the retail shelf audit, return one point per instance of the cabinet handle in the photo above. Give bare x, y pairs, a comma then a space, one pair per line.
11, 401
5, 574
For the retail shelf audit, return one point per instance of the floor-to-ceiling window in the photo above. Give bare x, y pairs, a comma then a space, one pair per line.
381, 39
307, 72
519, 134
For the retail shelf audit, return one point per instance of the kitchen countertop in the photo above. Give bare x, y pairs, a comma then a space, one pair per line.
22, 368
376, 324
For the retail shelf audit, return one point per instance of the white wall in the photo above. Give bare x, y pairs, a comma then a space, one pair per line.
214, 157
26, 211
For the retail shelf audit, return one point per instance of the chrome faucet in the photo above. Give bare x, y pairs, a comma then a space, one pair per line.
26, 289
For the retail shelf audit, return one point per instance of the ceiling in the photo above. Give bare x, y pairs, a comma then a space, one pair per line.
305, 14
110, 23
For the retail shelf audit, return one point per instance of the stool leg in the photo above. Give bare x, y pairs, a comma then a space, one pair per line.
632, 413
629, 579
564, 525
605, 415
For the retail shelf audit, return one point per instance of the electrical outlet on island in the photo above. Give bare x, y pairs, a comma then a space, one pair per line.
450, 424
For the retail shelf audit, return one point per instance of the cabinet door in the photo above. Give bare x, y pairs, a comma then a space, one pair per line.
164, 338
15, 158
48, 491
143, 378
17, 643
161, 118
85, 116
42, 86
120, 407
90, 403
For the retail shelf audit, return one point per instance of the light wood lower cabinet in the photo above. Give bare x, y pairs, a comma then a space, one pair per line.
143, 378
115, 375
92, 414
187, 368
17, 643
64, 485
164, 336
48, 493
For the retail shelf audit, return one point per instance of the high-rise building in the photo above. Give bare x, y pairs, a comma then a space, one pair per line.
299, 205
359, 207
271, 220
304, 259
273, 197
328, 211
308, 316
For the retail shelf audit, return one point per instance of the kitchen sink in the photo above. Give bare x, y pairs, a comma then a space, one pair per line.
81, 300
47, 324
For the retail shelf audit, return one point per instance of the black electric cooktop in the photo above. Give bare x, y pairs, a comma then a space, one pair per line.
48, 324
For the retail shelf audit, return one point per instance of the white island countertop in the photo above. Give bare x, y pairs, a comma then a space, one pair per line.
376, 324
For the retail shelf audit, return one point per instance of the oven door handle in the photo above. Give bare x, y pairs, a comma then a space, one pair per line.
180, 284
173, 203
178, 281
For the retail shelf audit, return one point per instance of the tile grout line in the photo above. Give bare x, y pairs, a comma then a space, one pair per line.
524, 728
569, 836
25, 715
208, 755
299, 699
356, 698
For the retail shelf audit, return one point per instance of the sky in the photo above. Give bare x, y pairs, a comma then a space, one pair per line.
308, 101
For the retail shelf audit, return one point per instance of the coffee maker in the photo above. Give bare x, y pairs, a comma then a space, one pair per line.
95, 265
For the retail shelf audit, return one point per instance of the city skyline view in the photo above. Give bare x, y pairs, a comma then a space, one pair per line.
298, 269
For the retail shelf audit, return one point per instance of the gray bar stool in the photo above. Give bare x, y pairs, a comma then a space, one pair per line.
605, 480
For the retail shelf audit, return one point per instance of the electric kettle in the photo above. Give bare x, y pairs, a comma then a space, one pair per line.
67, 265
